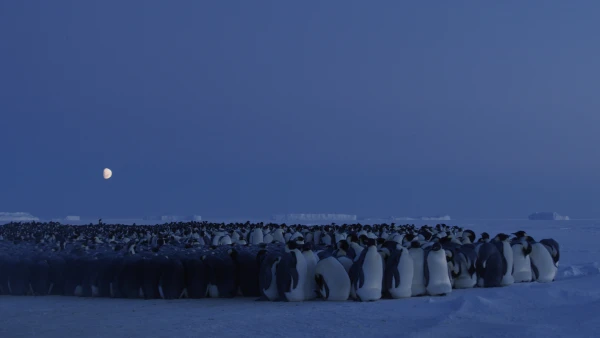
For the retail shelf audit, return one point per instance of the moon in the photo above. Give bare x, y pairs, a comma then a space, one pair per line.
107, 173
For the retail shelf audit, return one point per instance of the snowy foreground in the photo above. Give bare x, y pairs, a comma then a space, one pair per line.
568, 307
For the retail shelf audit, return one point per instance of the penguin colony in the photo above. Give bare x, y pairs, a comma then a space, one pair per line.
268, 261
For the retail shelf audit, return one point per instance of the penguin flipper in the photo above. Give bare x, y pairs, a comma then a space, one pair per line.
396, 272
361, 277
536, 272
426, 270
294, 270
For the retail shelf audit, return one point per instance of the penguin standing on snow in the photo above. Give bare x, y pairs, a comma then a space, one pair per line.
366, 274
332, 280
398, 275
503, 244
291, 274
310, 286
465, 259
522, 262
542, 263
437, 275
418, 255
490, 266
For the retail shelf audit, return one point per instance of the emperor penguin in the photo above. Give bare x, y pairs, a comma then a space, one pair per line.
490, 266
291, 274
398, 275
310, 286
256, 236
418, 255
437, 275
366, 274
542, 264
332, 280
465, 275
522, 262
268, 276
553, 248
503, 244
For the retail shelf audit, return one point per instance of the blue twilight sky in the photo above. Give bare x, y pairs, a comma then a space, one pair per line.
248, 108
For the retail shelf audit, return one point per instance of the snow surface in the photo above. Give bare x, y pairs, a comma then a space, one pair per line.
568, 307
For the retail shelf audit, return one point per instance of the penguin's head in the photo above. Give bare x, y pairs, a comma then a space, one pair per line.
501, 237
307, 247
371, 242
291, 245
436, 247
485, 236
520, 234
415, 244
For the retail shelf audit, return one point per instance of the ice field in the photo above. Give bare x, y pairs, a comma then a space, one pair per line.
568, 307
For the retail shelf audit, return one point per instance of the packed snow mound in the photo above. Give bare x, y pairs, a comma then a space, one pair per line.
17, 217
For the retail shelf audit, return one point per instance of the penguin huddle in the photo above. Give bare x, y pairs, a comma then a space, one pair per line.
270, 262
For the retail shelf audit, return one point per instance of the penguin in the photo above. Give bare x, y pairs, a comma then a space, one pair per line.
310, 286
346, 263
503, 244
437, 276
553, 248
398, 274
522, 262
366, 274
465, 275
221, 275
490, 266
268, 276
332, 280
418, 255
542, 263
292, 274
196, 281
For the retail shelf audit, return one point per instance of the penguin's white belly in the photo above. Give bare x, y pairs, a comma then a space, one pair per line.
418, 282
373, 277
213, 291
439, 281
508, 278
522, 265
406, 271
464, 280
541, 258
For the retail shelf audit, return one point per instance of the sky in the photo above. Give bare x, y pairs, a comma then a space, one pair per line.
251, 108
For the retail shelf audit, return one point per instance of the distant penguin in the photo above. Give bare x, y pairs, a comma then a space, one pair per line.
437, 278
542, 264
310, 286
292, 274
418, 256
256, 236
522, 262
398, 275
366, 274
332, 280
490, 266
503, 244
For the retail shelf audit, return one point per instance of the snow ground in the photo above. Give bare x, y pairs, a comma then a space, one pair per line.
568, 307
